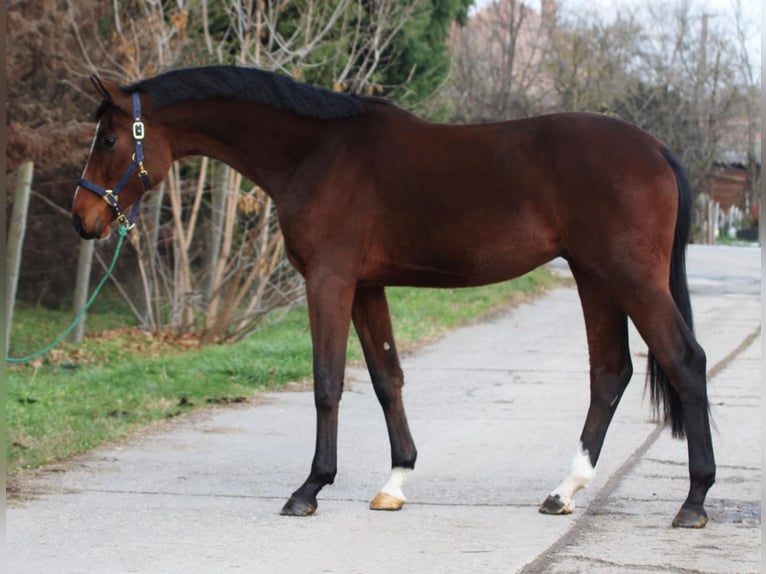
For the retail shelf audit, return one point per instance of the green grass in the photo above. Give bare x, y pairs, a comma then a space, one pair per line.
726, 240
60, 408
35, 327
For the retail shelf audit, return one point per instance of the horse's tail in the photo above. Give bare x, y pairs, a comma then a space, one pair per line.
666, 401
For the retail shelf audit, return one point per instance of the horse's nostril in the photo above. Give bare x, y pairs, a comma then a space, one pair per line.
78, 227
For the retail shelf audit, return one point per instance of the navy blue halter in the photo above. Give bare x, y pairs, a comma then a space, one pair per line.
137, 163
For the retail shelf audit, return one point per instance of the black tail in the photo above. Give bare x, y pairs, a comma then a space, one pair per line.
665, 399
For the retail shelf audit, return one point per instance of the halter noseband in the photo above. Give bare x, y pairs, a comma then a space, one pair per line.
137, 163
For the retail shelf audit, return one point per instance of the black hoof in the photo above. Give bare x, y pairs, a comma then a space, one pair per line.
554, 505
297, 507
690, 518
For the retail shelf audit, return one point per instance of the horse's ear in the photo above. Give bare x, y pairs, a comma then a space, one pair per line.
109, 91
100, 88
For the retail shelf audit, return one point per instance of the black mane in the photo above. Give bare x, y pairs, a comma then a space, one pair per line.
249, 84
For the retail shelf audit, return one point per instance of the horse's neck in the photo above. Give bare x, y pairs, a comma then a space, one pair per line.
265, 145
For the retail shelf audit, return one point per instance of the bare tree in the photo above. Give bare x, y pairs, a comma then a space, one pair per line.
592, 59
751, 81
498, 61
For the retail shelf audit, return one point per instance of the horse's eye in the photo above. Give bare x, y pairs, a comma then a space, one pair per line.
107, 142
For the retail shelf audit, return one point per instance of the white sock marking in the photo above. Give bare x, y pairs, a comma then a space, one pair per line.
580, 474
393, 486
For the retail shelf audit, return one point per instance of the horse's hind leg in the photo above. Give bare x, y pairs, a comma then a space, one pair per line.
373, 325
683, 380
610, 371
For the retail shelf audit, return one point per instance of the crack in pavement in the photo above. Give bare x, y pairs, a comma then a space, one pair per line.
645, 567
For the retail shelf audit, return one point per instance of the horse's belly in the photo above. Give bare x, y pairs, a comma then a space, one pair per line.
467, 269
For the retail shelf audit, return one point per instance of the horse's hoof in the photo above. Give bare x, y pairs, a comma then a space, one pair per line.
297, 507
554, 505
690, 518
383, 501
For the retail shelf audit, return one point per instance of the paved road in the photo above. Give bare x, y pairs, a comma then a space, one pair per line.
495, 408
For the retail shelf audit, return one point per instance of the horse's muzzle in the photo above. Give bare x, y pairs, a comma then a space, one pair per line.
94, 233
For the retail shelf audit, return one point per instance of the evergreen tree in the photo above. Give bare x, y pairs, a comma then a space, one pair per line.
419, 58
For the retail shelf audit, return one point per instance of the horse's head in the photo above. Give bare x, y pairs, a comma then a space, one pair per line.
123, 164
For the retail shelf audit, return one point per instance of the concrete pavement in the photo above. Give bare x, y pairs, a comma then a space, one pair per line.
496, 410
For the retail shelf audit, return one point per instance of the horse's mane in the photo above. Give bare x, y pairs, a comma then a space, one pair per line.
250, 84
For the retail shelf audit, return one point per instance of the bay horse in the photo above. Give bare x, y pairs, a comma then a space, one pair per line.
369, 195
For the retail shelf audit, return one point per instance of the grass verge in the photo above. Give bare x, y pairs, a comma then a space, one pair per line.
121, 381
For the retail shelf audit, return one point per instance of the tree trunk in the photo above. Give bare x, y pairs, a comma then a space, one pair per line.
217, 216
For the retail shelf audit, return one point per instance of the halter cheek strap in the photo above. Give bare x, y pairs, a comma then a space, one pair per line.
136, 164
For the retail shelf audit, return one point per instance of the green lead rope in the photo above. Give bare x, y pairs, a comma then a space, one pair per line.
123, 231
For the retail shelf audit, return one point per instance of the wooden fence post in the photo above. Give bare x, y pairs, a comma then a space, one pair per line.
84, 261
16, 230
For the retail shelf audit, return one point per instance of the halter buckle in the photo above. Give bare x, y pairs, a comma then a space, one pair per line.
138, 130
110, 197
125, 222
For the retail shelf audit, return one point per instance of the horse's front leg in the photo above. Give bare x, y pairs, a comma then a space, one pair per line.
373, 325
329, 301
